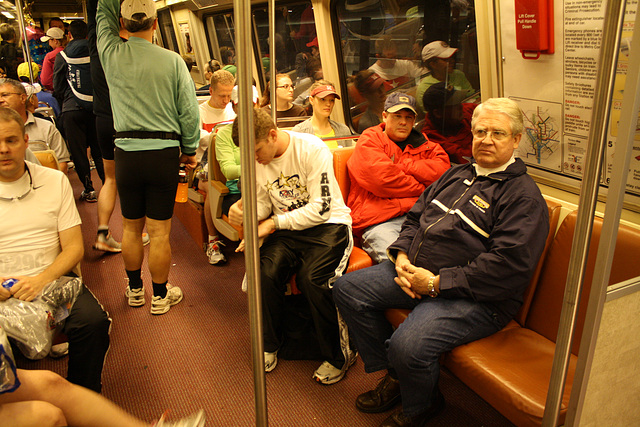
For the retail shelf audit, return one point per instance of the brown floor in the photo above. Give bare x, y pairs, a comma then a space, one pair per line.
198, 355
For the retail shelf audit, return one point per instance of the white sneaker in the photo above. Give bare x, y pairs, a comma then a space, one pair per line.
136, 297
328, 374
214, 253
145, 239
270, 361
162, 305
59, 350
194, 420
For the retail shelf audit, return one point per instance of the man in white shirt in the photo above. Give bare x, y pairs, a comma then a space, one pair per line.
306, 230
216, 112
42, 133
40, 241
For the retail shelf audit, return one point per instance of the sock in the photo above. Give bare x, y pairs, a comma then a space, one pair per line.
103, 229
135, 279
213, 238
159, 289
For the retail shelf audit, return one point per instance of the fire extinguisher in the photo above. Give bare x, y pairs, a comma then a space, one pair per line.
534, 27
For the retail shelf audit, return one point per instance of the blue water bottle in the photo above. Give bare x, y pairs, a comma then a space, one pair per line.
7, 284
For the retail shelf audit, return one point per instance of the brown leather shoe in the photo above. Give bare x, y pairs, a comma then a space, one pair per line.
385, 396
399, 419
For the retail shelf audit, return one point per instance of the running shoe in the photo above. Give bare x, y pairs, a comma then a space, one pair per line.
214, 253
106, 242
89, 196
270, 361
162, 305
328, 374
136, 296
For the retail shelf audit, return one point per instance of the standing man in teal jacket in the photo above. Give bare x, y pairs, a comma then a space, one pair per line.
155, 115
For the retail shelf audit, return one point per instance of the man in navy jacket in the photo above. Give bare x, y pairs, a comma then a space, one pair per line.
465, 255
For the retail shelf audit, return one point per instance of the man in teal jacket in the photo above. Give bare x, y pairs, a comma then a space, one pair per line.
155, 115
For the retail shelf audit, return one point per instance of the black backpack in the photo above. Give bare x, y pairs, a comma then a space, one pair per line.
79, 78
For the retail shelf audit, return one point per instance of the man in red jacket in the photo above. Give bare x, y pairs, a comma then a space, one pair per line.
391, 166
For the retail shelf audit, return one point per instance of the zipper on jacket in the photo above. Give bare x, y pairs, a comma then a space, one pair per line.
424, 234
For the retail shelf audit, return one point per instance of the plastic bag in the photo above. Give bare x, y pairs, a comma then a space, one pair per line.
8, 376
32, 323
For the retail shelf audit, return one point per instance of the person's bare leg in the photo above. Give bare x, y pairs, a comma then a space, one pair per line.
159, 249
132, 249
32, 413
208, 218
108, 193
80, 406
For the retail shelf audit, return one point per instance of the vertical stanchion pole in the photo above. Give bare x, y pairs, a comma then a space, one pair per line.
242, 10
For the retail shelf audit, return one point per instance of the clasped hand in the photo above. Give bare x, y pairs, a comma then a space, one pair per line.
411, 279
26, 289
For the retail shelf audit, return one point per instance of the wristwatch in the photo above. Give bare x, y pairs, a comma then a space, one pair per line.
431, 290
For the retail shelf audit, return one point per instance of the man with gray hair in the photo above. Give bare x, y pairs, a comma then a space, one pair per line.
154, 134
465, 255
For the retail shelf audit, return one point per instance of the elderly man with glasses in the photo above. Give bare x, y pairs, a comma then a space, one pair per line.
40, 241
464, 257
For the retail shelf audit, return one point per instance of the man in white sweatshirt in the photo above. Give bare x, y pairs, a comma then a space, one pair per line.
305, 230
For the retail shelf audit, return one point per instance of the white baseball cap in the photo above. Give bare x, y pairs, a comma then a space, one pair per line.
131, 7
437, 49
53, 33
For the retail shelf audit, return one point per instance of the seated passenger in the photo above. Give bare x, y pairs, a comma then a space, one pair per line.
304, 230
216, 112
390, 167
439, 58
466, 253
322, 98
395, 72
42, 133
41, 96
211, 67
303, 86
228, 155
45, 399
448, 122
40, 241
284, 98
370, 86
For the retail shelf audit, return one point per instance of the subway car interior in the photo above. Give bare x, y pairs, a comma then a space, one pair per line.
570, 355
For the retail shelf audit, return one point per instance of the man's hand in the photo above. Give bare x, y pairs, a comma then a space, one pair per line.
413, 280
235, 213
189, 161
5, 294
27, 287
265, 228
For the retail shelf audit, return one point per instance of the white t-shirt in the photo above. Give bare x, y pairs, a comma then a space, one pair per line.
300, 186
29, 240
210, 120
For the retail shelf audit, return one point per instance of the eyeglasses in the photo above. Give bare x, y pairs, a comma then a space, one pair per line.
287, 87
4, 95
9, 199
496, 135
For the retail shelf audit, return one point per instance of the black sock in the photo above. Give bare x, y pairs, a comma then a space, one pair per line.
159, 289
135, 279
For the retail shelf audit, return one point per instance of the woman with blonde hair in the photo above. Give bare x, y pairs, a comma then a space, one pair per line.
322, 97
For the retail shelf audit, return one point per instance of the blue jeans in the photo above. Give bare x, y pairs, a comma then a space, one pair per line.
377, 238
412, 352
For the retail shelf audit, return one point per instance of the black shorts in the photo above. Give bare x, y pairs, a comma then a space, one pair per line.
106, 136
147, 182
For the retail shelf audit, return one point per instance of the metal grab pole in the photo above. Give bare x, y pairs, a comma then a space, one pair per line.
613, 18
273, 70
25, 45
609, 234
242, 10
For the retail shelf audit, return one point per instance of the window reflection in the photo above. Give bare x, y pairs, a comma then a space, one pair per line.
383, 44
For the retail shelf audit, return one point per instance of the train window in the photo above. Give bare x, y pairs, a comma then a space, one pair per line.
166, 31
296, 42
407, 46
221, 34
